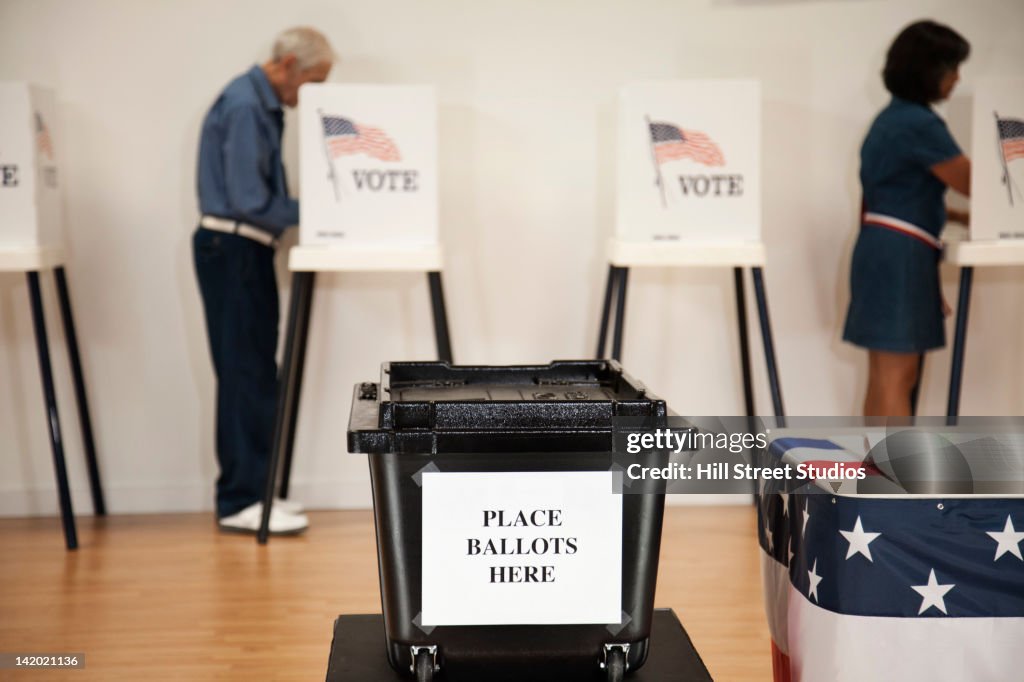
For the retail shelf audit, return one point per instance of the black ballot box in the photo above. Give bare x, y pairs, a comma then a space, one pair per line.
503, 543
357, 655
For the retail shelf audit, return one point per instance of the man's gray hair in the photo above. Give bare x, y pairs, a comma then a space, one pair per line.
309, 46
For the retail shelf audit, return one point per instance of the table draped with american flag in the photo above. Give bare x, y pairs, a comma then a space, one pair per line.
861, 588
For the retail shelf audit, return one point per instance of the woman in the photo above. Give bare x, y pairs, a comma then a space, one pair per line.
908, 159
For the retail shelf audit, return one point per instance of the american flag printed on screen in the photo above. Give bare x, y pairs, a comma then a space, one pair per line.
1011, 137
671, 142
344, 136
865, 588
43, 141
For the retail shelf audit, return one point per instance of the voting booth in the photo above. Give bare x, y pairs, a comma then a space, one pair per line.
503, 544
688, 194
689, 160
368, 203
997, 160
30, 198
995, 237
31, 242
368, 163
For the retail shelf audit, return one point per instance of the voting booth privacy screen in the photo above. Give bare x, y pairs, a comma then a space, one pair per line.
368, 165
30, 200
689, 158
997, 160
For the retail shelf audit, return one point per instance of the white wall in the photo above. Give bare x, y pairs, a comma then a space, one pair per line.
527, 92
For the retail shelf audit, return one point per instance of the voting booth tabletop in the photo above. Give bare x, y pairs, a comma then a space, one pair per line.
359, 654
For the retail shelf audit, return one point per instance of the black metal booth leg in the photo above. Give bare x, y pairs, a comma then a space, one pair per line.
741, 320
606, 310
53, 420
289, 391
620, 314
444, 345
956, 373
769, 345
300, 372
99, 504
744, 337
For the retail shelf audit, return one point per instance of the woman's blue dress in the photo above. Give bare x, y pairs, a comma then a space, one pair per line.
895, 300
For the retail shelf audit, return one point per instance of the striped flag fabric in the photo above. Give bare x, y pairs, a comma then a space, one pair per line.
344, 136
670, 142
43, 141
1011, 138
908, 588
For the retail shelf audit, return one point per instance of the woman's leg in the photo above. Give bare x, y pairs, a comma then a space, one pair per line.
891, 379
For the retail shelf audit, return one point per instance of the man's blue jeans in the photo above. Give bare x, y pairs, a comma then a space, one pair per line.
239, 289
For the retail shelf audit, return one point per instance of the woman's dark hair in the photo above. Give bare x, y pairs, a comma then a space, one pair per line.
918, 59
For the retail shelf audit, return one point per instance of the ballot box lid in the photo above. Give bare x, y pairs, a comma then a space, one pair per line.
432, 407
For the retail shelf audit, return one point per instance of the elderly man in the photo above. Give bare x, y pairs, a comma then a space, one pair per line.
245, 207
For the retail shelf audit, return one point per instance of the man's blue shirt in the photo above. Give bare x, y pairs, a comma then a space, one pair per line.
240, 174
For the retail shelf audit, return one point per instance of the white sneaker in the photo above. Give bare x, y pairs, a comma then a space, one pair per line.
288, 506
248, 521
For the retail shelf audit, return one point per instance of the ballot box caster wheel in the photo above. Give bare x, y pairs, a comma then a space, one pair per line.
424, 662
424, 668
614, 663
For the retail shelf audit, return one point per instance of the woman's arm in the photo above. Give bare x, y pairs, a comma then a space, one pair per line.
956, 173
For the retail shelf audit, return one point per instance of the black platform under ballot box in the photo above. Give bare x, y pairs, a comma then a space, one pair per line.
358, 655
506, 549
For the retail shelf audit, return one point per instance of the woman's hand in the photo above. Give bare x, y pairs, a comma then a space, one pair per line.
946, 309
956, 216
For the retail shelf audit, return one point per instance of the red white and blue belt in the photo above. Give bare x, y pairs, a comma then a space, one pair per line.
903, 227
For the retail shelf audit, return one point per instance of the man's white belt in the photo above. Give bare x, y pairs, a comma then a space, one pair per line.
241, 229
897, 225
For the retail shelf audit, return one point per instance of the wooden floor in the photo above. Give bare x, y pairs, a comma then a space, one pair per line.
170, 598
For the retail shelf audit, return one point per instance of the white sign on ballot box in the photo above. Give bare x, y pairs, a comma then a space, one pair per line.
689, 159
30, 203
368, 165
997, 160
521, 548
